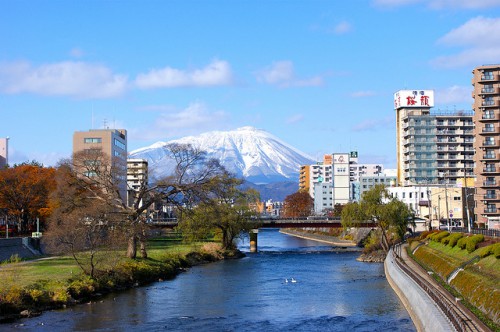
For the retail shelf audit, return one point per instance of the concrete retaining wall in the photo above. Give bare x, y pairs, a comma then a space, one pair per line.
14, 246
425, 314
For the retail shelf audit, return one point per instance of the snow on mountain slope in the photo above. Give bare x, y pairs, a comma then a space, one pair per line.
248, 152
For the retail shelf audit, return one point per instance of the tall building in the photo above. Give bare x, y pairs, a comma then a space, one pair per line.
137, 176
432, 148
486, 106
113, 143
4, 152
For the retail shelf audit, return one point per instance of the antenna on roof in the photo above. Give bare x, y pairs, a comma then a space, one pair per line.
105, 124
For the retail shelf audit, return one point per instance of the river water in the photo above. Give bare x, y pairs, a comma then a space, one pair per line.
331, 292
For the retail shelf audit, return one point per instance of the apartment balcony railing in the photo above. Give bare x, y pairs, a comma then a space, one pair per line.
489, 169
489, 129
487, 90
488, 77
489, 156
488, 116
488, 103
490, 196
489, 183
489, 143
490, 210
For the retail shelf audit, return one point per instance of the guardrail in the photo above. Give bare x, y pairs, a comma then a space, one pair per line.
451, 311
485, 232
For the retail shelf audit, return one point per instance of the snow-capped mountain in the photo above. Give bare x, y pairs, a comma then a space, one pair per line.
248, 152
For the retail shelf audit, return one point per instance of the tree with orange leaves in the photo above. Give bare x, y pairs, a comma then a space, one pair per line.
24, 193
298, 205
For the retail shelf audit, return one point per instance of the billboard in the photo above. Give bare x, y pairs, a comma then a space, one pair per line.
414, 98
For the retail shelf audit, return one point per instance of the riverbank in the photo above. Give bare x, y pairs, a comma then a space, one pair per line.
31, 287
337, 243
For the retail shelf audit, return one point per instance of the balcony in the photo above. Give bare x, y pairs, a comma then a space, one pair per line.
489, 169
488, 77
490, 210
490, 196
489, 103
489, 129
489, 156
488, 116
489, 183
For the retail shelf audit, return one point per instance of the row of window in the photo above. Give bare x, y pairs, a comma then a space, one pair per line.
89, 140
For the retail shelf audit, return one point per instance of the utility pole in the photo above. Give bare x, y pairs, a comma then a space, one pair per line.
446, 200
466, 194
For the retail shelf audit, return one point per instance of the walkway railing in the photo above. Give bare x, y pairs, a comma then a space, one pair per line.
450, 309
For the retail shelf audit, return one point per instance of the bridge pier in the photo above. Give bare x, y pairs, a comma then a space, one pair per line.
253, 239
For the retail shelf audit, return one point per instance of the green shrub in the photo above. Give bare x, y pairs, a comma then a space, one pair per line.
496, 250
453, 239
462, 243
425, 234
438, 236
486, 251
82, 288
473, 241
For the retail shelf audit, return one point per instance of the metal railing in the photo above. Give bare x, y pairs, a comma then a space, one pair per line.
450, 310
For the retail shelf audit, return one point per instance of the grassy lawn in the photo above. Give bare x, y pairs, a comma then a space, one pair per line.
53, 272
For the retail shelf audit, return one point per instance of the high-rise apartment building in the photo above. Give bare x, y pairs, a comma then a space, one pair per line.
486, 106
432, 148
137, 177
4, 152
113, 143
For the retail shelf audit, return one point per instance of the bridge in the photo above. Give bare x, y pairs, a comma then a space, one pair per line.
310, 222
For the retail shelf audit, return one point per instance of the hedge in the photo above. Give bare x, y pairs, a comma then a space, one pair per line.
439, 236
453, 239
473, 241
462, 243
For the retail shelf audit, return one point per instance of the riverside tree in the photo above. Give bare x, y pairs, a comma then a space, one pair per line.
95, 179
24, 192
390, 214
225, 212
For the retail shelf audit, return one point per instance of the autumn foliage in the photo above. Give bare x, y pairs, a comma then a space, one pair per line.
24, 194
298, 205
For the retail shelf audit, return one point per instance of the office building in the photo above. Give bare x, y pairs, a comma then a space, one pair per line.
113, 144
137, 177
486, 106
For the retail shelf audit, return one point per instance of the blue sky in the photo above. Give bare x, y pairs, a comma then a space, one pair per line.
318, 74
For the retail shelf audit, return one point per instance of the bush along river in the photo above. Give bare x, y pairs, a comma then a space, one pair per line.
291, 284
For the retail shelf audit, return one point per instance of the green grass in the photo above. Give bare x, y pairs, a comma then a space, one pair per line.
477, 284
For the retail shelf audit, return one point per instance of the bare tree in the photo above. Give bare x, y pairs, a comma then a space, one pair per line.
95, 178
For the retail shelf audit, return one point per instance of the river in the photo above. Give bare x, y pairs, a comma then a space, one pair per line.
331, 292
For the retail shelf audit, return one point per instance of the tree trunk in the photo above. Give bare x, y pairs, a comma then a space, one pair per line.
132, 247
142, 241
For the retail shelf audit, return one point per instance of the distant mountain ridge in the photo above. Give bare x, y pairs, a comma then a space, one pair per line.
250, 153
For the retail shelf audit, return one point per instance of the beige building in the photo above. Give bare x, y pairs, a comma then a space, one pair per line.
432, 148
486, 106
113, 143
4, 152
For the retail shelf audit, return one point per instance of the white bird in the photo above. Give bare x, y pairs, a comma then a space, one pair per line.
293, 280
286, 281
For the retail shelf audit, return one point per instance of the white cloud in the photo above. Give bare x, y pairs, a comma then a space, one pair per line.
480, 38
216, 73
454, 95
295, 118
342, 28
374, 124
76, 52
479, 31
362, 94
69, 78
282, 74
193, 119
440, 4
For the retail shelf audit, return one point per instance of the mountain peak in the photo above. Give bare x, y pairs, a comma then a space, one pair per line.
248, 152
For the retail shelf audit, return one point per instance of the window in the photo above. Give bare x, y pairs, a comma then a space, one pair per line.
410, 195
120, 144
92, 140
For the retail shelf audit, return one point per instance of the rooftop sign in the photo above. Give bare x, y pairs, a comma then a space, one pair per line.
414, 98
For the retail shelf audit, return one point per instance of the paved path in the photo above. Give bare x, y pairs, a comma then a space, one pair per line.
471, 322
